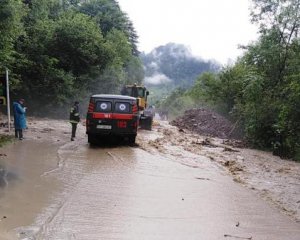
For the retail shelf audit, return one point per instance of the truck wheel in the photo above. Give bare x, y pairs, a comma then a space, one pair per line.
131, 139
91, 139
148, 123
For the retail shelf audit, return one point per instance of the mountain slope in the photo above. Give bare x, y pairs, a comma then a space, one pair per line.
174, 65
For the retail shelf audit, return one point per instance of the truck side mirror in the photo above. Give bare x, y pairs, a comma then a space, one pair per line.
147, 93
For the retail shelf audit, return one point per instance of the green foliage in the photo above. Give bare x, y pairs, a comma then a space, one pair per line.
5, 139
108, 15
134, 71
176, 103
77, 44
262, 89
11, 13
61, 50
221, 89
111, 81
206, 87
119, 47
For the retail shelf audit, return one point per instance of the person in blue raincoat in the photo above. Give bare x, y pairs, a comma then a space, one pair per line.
19, 118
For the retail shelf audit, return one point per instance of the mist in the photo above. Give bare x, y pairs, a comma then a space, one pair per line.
157, 79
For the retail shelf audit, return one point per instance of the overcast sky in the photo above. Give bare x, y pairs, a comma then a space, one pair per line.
212, 29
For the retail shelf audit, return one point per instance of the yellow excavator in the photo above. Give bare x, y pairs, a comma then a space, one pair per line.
141, 94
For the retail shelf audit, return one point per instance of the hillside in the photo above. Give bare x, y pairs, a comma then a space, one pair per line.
173, 65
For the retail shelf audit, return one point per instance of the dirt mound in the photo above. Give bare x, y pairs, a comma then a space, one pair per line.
205, 122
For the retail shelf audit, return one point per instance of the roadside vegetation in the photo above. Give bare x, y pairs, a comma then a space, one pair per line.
261, 90
5, 139
60, 50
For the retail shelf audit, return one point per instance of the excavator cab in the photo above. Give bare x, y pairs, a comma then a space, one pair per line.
141, 94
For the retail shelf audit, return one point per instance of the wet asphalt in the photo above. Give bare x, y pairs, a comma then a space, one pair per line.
75, 191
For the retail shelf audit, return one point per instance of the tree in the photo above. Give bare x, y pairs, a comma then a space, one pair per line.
262, 89
108, 15
59, 57
78, 44
11, 13
59, 50
176, 102
206, 88
134, 71
279, 22
223, 88
276, 57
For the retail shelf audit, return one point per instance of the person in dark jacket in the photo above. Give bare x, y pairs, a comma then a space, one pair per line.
74, 119
19, 118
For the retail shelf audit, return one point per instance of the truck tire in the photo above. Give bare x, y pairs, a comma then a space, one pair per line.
146, 123
92, 139
131, 139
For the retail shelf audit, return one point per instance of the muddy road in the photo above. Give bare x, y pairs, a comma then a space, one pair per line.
172, 185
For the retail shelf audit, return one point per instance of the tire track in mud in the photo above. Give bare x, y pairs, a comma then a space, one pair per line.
60, 159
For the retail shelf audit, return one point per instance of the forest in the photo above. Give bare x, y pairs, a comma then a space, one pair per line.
57, 51
260, 92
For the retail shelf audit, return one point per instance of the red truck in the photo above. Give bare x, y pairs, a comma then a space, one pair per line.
112, 115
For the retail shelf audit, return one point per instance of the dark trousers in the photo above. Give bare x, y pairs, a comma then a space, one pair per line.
19, 133
74, 127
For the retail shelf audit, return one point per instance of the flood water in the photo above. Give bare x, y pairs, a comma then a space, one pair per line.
74, 191
23, 191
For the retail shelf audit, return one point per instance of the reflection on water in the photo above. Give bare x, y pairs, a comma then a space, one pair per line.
3, 177
6, 176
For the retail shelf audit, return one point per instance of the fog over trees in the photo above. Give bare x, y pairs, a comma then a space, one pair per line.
174, 65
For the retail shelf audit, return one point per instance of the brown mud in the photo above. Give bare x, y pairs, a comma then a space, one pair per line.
274, 179
206, 122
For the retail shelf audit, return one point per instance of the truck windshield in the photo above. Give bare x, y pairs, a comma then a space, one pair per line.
135, 92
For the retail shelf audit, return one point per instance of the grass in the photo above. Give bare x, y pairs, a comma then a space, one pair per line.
5, 139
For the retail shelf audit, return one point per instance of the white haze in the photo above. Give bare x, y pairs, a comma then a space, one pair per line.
175, 50
212, 29
157, 79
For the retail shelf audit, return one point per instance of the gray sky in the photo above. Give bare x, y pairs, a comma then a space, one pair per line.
212, 29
